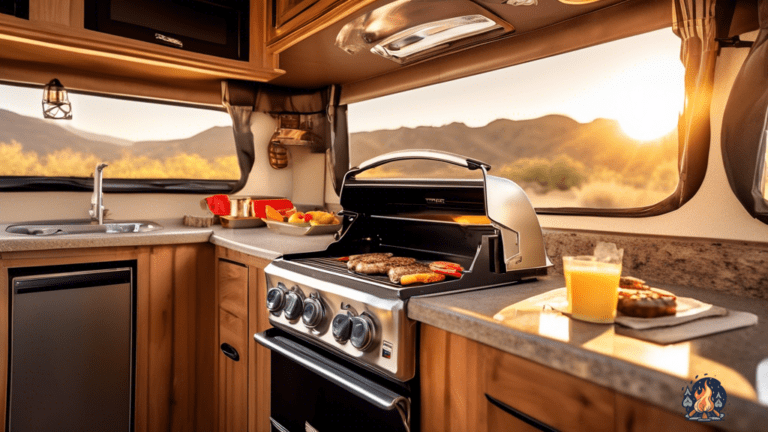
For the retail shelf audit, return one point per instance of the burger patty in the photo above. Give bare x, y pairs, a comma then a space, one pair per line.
395, 273
382, 266
368, 258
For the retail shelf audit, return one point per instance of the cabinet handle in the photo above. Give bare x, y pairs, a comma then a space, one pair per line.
230, 351
520, 416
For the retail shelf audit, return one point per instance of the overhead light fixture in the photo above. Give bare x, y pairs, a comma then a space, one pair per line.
56, 101
414, 40
407, 31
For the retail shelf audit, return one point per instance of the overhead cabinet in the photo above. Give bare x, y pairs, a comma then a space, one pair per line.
291, 21
56, 42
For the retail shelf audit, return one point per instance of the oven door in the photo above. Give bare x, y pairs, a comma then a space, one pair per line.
314, 391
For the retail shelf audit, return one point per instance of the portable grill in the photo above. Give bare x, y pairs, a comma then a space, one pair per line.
312, 292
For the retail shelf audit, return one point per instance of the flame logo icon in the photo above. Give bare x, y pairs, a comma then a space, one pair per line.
705, 400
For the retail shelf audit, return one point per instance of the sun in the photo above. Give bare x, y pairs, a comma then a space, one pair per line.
652, 98
648, 125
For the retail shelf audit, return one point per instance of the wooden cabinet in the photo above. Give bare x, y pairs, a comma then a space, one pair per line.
174, 383
243, 365
470, 387
291, 21
53, 43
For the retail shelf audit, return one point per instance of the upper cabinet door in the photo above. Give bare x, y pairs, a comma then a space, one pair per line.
285, 10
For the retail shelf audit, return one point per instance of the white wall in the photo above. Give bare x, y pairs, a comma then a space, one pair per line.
302, 181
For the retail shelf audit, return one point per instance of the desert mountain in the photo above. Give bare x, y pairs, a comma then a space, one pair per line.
48, 136
600, 143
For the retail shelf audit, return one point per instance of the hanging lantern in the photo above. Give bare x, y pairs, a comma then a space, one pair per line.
56, 101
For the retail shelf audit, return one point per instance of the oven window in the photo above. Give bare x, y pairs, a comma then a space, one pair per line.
148, 145
593, 128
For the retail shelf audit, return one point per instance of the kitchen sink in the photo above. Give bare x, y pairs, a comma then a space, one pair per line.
82, 226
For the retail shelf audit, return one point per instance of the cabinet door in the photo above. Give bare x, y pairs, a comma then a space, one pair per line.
233, 287
233, 373
285, 10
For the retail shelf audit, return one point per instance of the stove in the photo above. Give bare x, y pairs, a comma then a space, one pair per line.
362, 318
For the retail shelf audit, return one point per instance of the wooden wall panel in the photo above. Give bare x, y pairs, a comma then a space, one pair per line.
451, 380
260, 378
160, 338
205, 341
52, 11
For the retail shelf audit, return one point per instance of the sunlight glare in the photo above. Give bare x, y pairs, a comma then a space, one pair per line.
653, 98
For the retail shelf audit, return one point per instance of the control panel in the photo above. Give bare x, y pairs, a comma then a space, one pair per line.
366, 328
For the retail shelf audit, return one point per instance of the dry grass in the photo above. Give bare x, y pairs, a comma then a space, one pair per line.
68, 163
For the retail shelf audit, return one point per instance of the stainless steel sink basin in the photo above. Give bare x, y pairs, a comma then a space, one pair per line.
82, 226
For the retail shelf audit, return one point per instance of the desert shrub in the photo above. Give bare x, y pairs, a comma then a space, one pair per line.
614, 195
562, 173
69, 163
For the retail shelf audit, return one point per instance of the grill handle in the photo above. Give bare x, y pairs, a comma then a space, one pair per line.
434, 155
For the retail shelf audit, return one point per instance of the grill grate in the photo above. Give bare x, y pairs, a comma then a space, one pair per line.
340, 267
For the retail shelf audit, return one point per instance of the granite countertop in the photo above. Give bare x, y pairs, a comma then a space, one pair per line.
259, 242
605, 355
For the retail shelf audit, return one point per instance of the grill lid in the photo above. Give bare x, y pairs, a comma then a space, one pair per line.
504, 203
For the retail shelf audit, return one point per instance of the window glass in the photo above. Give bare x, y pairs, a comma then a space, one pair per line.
592, 128
139, 140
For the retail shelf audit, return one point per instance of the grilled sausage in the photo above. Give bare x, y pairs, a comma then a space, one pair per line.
395, 273
382, 266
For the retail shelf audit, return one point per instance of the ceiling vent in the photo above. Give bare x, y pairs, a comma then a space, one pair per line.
406, 31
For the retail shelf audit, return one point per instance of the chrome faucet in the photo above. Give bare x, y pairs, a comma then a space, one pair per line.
97, 200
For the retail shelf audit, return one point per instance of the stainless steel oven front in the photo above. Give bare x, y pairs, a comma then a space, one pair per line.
315, 390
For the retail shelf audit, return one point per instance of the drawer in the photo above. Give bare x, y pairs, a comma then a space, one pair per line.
233, 288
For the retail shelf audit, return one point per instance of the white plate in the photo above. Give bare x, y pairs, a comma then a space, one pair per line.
301, 229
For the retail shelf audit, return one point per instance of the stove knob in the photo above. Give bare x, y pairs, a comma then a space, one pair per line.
313, 312
276, 298
341, 327
293, 305
362, 332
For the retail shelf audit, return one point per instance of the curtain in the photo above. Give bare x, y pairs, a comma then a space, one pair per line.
744, 130
694, 22
237, 98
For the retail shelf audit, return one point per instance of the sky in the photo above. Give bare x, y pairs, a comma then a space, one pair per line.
131, 120
637, 81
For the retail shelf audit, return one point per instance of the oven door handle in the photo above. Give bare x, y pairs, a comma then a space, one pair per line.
343, 377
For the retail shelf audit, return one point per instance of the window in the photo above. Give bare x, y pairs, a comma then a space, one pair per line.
140, 140
594, 128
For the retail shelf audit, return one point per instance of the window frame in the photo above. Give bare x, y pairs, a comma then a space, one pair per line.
76, 184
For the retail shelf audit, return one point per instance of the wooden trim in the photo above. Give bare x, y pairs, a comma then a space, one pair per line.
205, 337
142, 385
68, 256
316, 18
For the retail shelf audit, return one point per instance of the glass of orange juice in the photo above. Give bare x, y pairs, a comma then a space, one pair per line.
593, 288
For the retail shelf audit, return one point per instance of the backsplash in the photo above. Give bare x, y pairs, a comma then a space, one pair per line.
733, 267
